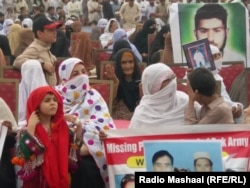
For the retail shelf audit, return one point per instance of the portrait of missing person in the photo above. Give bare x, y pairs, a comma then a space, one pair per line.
163, 161
199, 58
198, 54
128, 181
211, 23
202, 162
218, 24
168, 156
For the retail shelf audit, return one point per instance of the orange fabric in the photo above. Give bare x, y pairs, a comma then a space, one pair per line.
82, 49
55, 165
127, 55
76, 26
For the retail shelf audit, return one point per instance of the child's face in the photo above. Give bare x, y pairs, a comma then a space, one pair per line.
49, 105
47, 35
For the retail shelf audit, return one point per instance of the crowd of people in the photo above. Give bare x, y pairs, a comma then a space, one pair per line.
62, 121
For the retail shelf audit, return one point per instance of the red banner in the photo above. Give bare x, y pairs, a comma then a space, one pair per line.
125, 154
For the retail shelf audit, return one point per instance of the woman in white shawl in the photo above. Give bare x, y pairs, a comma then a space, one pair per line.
27, 23
6, 26
161, 103
107, 37
90, 108
32, 78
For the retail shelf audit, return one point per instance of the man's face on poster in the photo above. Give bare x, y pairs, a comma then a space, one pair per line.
163, 164
203, 165
214, 30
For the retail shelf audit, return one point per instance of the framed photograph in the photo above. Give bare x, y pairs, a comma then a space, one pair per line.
198, 54
183, 155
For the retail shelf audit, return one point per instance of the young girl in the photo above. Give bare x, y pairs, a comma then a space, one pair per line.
44, 144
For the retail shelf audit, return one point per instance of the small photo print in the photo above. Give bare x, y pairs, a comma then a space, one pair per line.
183, 156
198, 54
125, 180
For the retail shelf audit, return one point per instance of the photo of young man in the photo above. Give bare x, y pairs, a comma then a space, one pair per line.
224, 25
211, 22
202, 162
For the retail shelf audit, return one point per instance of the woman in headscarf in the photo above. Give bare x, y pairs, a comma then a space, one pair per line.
126, 78
97, 30
27, 23
6, 26
107, 37
44, 144
14, 37
102, 23
82, 49
26, 38
118, 45
122, 34
27, 85
161, 103
92, 111
141, 38
159, 41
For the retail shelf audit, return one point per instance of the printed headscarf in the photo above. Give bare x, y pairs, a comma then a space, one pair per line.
88, 105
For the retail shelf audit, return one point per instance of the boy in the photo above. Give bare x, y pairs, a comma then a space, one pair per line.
202, 88
45, 34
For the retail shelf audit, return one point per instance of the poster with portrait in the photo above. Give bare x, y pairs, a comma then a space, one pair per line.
183, 155
198, 54
124, 148
225, 25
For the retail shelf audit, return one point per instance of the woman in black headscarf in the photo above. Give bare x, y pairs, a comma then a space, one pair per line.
141, 38
126, 76
159, 41
120, 44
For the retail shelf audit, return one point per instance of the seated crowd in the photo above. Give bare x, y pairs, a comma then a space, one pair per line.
62, 119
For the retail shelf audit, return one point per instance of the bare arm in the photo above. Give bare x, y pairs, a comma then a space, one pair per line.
110, 73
